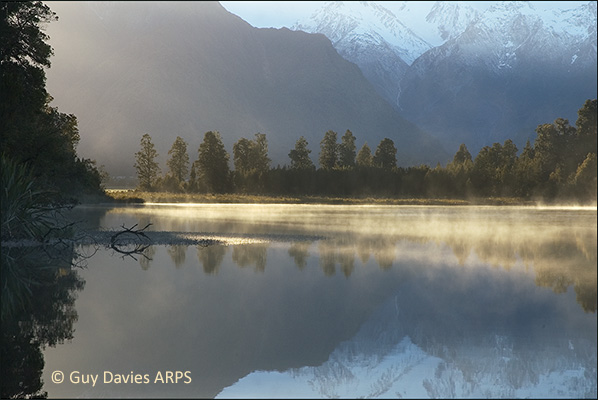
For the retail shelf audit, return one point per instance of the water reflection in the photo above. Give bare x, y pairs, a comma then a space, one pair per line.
39, 288
558, 245
299, 251
177, 254
394, 301
245, 255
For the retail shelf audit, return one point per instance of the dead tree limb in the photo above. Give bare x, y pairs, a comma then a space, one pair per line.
131, 241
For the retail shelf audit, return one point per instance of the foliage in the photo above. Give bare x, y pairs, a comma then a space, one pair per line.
364, 157
31, 131
559, 165
242, 152
178, 163
347, 150
300, 156
329, 151
28, 212
145, 163
386, 154
38, 310
210, 171
251, 163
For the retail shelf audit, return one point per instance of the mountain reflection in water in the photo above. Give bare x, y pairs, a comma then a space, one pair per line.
392, 301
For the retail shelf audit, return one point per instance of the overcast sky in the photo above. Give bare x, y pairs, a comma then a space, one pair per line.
276, 14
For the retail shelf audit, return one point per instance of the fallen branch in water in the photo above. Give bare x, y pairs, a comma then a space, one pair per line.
122, 241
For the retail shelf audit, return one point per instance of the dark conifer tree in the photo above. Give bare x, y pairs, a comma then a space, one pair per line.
212, 170
386, 154
347, 150
329, 151
364, 157
178, 163
146, 165
300, 156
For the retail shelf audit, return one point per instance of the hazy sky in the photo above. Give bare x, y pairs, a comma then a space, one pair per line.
276, 14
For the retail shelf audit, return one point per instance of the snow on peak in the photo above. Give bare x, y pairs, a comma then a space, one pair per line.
345, 22
451, 18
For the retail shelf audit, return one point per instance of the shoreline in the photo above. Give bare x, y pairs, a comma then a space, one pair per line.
137, 197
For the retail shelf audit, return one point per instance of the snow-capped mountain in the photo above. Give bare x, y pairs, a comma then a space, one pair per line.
450, 19
345, 23
513, 68
392, 356
370, 36
465, 72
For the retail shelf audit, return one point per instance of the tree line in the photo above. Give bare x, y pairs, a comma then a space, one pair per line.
560, 164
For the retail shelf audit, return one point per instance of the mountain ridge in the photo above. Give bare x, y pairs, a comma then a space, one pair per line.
491, 74
181, 69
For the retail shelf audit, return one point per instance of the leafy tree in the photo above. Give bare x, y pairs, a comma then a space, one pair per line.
31, 131
459, 171
364, 157
211, 167
526, 172
261, 161
300, 156
439, 182
328, 151
585, 181
242, 155
23, 56
385, 156
146, 165
347, 150
251, 163
251, 155
484, 173
553, 147
493, 169
506, 169
178, 163
586, 128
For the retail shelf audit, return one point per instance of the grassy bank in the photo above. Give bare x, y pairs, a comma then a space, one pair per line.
134, 196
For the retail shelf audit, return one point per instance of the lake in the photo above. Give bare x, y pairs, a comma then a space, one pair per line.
334, 301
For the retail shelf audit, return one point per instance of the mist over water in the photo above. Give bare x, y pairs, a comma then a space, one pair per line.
323, 300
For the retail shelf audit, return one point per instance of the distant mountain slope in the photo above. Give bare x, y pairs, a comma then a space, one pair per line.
487, 74
180, 69
371, 36
509, 71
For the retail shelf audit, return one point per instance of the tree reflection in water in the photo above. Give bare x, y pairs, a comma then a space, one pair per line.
299, 251
569, 260
39, 288
557, 244
211, 257
250, 254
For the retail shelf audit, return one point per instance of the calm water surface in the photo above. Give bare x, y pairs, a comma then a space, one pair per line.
337, 301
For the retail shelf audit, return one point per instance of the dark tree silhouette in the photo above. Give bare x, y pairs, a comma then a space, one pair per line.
146, 165
300, 155
211, 168
386, 154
